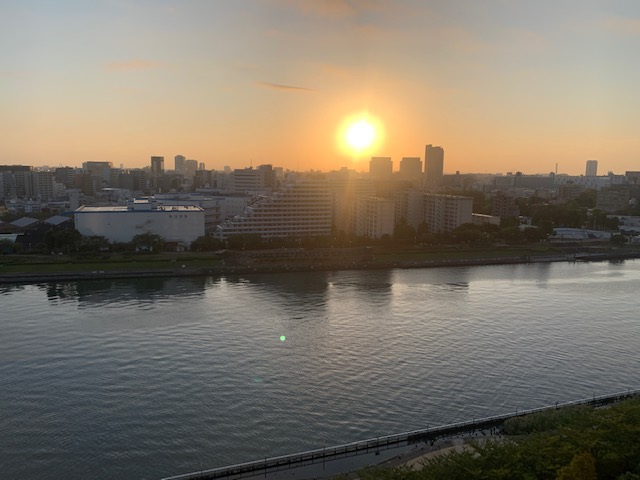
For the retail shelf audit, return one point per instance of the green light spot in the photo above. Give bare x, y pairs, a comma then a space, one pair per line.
282, 338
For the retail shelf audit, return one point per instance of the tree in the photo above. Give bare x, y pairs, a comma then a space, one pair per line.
533, 234
148, 242
586, 199
94, 244
206, 243
62, 240
242, 241
403, 231
6, 247
468, 233
582, 467
512, 235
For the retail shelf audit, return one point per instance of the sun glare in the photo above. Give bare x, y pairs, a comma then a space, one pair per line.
360, 134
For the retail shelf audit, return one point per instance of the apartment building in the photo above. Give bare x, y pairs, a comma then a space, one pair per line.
301, 209
444, 213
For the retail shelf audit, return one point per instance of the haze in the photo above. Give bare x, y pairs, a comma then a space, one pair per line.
500, 84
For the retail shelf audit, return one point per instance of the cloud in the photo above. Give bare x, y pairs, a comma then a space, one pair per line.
288, 88
132, 65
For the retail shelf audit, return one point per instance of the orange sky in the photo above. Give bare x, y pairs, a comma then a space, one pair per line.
502, 86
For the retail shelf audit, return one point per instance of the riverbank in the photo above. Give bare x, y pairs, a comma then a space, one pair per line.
412, 449
47, 269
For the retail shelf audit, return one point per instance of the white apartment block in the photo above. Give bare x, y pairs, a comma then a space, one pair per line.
375, 217
410, 206
444, 213
301, 209
346, 187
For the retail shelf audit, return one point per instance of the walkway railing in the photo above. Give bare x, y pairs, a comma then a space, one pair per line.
372, 445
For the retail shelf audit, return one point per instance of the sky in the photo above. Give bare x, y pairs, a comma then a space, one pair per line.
501, 85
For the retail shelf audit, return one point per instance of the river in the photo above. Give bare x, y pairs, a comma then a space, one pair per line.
140, 379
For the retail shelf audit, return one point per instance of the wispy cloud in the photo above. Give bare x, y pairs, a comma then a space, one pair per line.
132, 65
288, 88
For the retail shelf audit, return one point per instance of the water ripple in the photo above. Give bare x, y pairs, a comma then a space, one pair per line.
143, 379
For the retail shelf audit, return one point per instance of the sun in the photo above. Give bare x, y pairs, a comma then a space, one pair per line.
360, 134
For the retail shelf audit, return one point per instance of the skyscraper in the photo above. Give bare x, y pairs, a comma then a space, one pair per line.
411, 170
592, 168
179, 164
380, 168
157, 165
433, 165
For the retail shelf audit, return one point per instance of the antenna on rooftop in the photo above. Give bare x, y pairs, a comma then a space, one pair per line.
556, 168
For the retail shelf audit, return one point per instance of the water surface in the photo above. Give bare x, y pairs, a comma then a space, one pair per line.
148, 378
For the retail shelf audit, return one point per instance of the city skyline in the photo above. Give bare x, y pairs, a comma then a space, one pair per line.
502, 86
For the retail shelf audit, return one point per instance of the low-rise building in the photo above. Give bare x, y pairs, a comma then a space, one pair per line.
174, 223
482, 219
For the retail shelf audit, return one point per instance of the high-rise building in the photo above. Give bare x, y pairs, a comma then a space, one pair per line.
504, 206
410, 207
179, 164
592, 168
411, 170
380, 168
44, 185
346, 186
260, 179
433, 165
444, 213
632, 177
301, 209
65, 175
18, 181
157, 165
190, 168
375, 217
97, 169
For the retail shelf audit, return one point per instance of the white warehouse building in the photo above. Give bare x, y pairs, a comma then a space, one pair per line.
174, 223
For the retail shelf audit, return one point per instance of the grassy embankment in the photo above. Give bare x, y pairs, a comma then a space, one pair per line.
574, 443
43, 264
267, 260
465, 253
